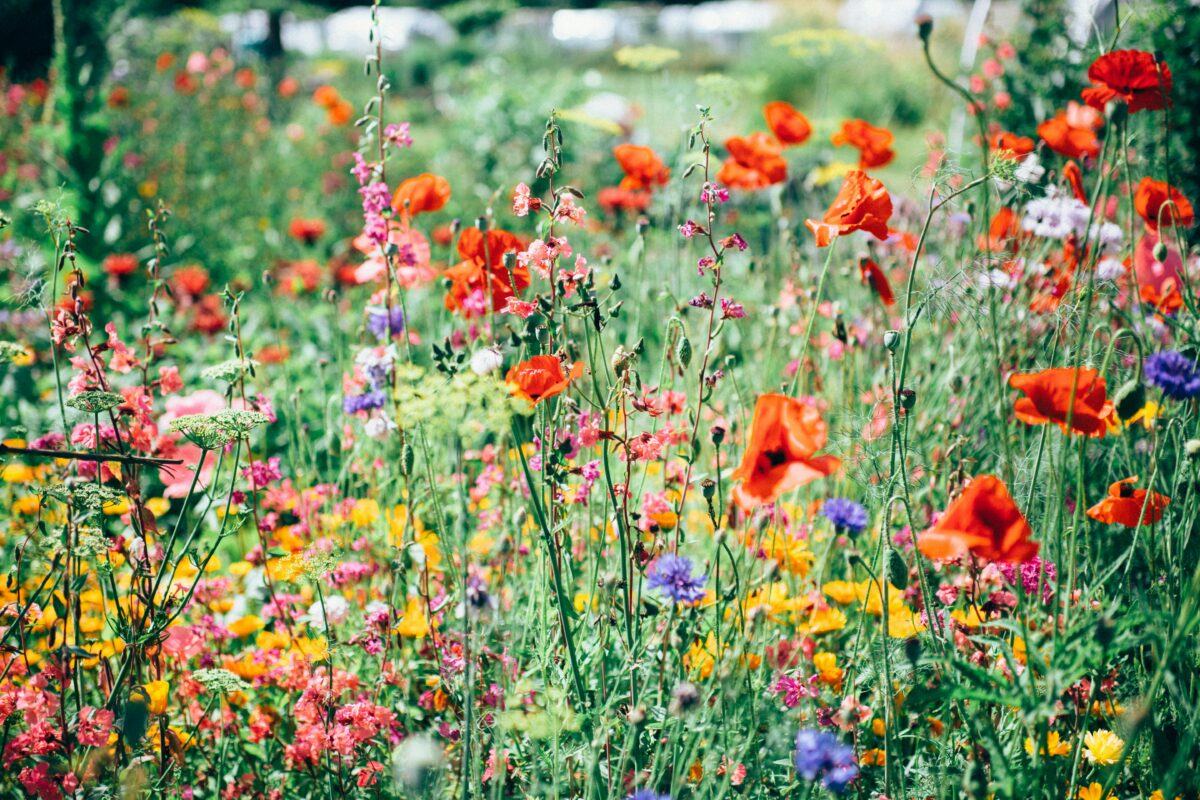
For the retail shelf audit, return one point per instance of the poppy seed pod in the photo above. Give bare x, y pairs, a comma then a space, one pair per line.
908, 399
891, 340
1129, 398
924, 26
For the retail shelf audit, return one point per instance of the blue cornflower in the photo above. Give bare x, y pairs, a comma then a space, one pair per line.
819, 755
379, 325
846, 515
648, 794
673, 576
1174, 373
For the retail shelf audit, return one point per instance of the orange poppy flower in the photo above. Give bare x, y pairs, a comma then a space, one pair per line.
1063, 136
425, 192
789, 125
1166, 299
755, 162
1019, 146
1124, 504
541, 378
781, 453
483, 265
985, 522
306, 230
642, 166
1004, 232
1150, 198
862, 204
1129, 75
874, 276
1048, 399
874, 144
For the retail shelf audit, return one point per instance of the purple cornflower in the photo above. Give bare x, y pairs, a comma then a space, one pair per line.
819, 755
673, 576
380, 325
648, 794
355, 403
846, 515
1174, 373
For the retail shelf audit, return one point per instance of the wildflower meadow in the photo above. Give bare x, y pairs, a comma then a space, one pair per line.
791, 412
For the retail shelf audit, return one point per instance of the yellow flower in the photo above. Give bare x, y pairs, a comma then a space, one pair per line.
1055, 746
827, 669
822, 620
413, 624
244, 626
313, 649
156, 696
158, 505
1093, 792
16, 472
1102, 747
365, 513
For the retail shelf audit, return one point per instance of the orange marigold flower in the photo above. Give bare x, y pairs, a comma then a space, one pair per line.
425, 192
862, 204
755, 162
874, 144
1131, 76
1151, 201
1124, 505
789, 125
985, 522
781, 453
1048, 399
642, 166
1064, 134
541, 378
482, 269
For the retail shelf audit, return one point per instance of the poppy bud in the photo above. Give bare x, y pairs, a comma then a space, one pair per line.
908, 399
1160, 252
839, 329
891, 340
407, 457
924, 26
1129, 398
897, 570
1192, 448
481, 223
718, 434
683, 351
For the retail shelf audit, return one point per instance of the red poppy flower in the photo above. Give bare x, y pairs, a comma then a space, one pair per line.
1074, 176
425, 192
1124, 505
1066, 138
873, 275
1166, 298
781, 453
862, 204
306, 230
1129, 75
1019, 146
874, 144
755, 162
613, 199
482, 269
1048, 399
190, 280
541, 378
119, 264
789, 125
1004, 232
642, 166
985, 522
1151, 198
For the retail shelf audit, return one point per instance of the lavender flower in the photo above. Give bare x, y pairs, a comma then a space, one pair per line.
673, 577
846, 515
379, 324
355, 403
819, 755
1174, 373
